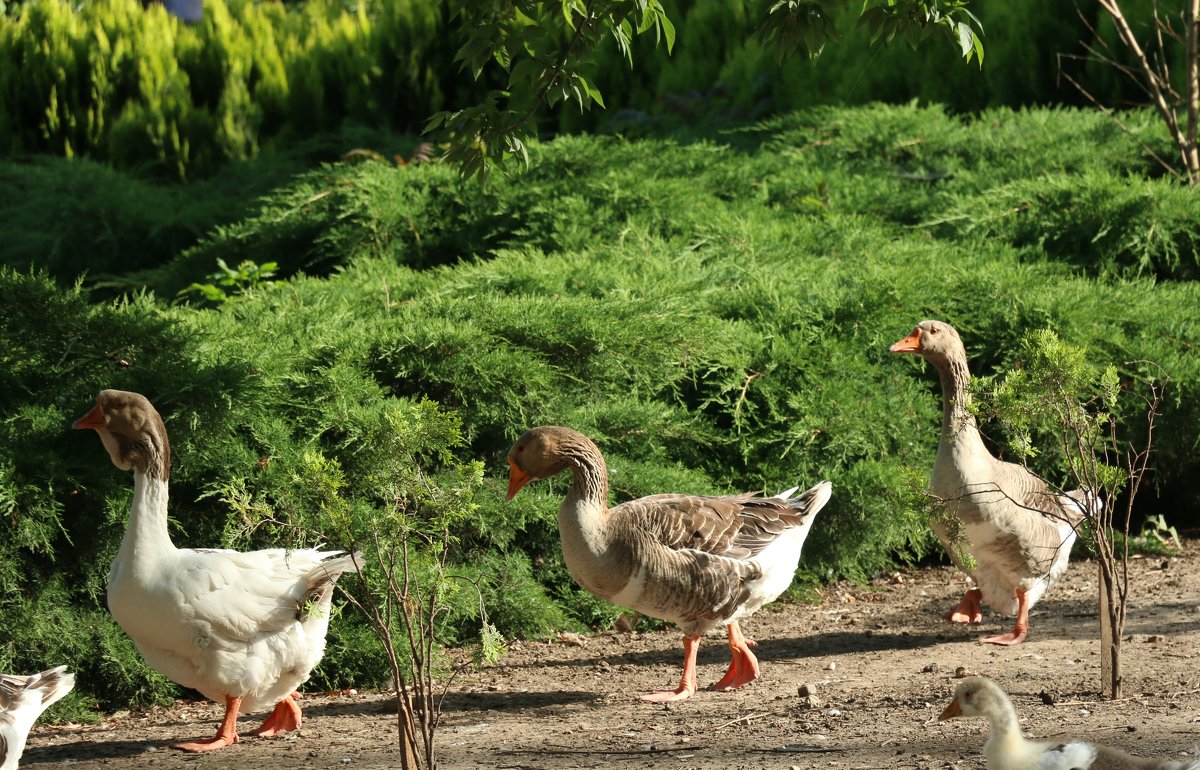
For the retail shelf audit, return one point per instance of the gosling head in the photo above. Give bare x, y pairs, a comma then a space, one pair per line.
976, 696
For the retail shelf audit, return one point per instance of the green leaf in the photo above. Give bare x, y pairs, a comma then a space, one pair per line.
592, 92
668, 30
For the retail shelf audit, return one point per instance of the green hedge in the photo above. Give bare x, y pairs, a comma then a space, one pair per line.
715, 315
113, 81
109, 80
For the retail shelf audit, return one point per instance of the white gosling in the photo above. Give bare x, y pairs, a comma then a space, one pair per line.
245, 629
1008, 749
699, 562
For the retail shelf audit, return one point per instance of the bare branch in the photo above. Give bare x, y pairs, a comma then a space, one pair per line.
1112, 116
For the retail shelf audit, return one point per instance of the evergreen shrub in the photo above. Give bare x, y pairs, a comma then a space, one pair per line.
133, 86
715, 314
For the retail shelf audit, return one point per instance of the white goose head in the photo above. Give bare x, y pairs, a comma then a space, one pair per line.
132, 432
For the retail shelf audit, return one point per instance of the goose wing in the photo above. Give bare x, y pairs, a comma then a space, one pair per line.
241, 596
731, 526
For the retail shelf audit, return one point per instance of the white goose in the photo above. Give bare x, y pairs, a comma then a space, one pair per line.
22, 701
245, 629
1019, 531
1007, 749
700, 562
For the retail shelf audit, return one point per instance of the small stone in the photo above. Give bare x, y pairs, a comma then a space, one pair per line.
833, 712
831, 667
806, 690
962, 673
930, 668
1047, 698
1154, 639
810, 702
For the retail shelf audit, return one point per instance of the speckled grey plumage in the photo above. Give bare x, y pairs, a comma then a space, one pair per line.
1018, 530
694, 560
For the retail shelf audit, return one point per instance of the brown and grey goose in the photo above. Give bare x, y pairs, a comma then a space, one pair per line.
1007, 749
699, 562
22, 701
1016, 528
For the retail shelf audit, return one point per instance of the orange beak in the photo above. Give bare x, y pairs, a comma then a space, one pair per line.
93, 420
910, 344
953, 710
517, 478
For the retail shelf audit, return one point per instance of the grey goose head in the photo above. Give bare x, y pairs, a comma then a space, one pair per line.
546, 451
936, 341
132, 432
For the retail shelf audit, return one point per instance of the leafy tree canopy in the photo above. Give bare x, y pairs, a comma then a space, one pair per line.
539, 51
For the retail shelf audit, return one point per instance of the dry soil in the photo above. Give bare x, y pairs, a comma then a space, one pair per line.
879, 658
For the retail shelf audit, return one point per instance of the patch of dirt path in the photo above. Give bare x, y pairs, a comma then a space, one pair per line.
879, 658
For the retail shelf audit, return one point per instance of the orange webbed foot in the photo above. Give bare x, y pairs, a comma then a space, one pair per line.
1020, 630
226, 733
284, 719
969, 609
668, 696
205, 744
687, 683
743, 666
1007, 640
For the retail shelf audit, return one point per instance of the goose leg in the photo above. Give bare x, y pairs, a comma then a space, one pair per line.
687, 684
284, 719
226, 733
743, 668
1017, 635
969, 609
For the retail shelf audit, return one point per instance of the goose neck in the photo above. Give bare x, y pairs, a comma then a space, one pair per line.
583, 524
958, 424
1005, 739
147, 532
589, 483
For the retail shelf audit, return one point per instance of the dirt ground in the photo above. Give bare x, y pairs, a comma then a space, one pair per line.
879, 658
